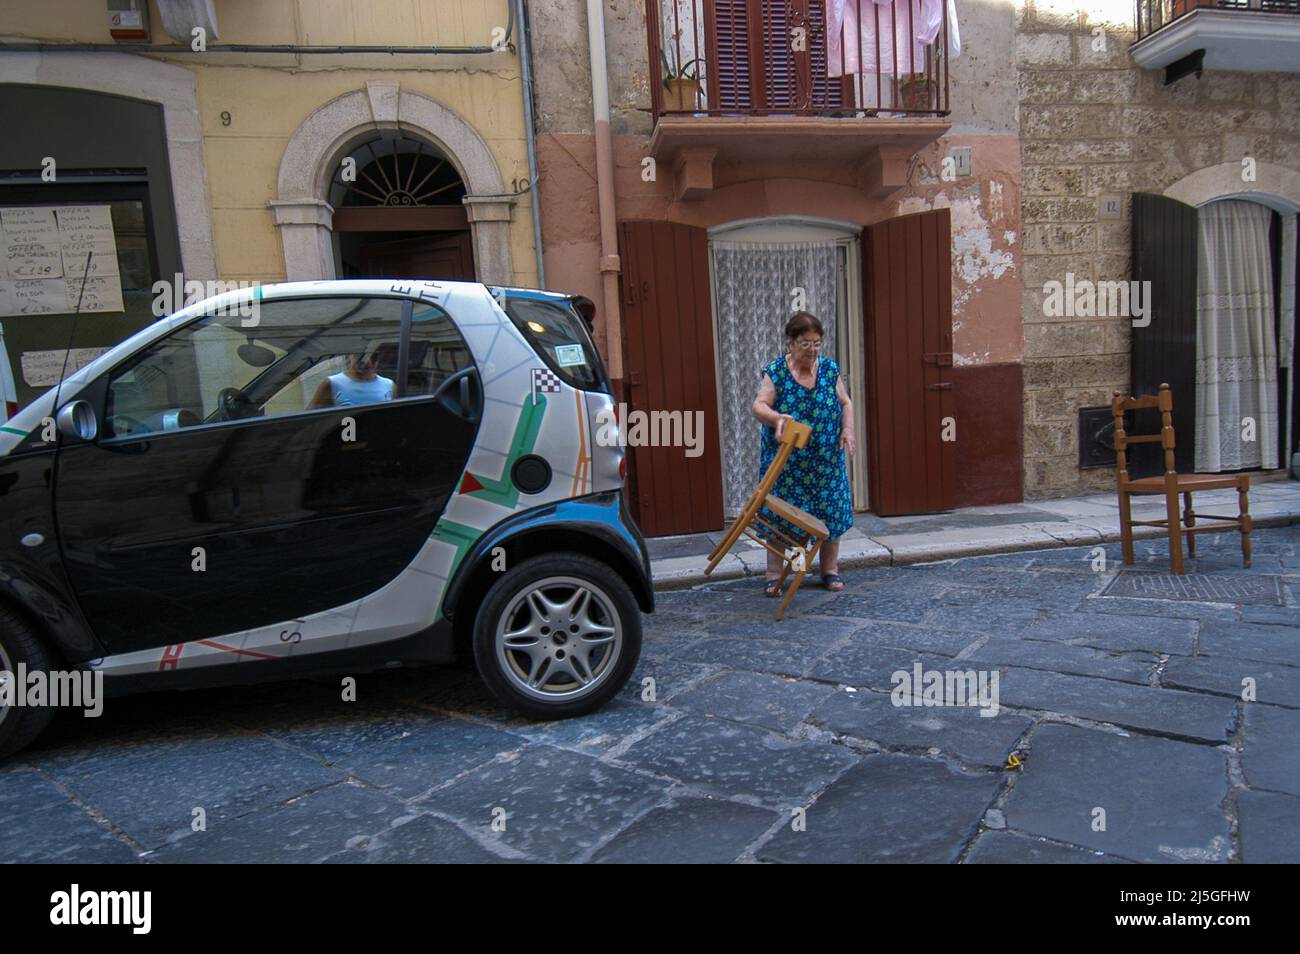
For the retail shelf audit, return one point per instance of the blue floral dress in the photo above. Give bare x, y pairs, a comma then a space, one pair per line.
815, 478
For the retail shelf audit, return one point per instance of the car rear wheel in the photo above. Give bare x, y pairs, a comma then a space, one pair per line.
557, 636
19, 643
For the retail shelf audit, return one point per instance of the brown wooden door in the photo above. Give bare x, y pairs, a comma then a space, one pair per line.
668, 366
448, 257
907, 264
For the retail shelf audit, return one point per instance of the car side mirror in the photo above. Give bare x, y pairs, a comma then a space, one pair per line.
77, 419
255, 355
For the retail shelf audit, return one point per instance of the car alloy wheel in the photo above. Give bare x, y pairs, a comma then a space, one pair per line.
559, 639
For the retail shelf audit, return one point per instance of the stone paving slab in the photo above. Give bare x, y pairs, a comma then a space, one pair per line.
1271, 756
957, 731
1058, 657
151, 796
41, 825
1269, 828
1005, 848
1259, 641
301, 830
557, 804
1162, 799
1275, 684
768, 702
889, 808
689, 831
724, 758
1163, 711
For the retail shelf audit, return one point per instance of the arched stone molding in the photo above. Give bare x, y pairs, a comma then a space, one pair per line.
305, 218
171, 87
1274, 185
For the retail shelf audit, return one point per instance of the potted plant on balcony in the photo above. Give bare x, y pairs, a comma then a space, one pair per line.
916, 92
681, 84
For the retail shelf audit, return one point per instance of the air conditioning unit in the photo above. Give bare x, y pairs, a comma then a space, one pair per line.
128, 20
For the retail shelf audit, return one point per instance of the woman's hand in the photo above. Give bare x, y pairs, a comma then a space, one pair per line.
780, 424
848, 442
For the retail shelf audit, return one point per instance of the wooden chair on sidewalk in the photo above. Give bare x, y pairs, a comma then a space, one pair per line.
795, 555
1171, 485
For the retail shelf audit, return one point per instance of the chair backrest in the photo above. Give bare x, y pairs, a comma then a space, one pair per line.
1164, 401
795, 434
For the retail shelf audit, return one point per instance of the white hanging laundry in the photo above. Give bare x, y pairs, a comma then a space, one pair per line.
899, 29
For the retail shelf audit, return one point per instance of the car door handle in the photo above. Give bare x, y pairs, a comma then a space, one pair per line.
466, 404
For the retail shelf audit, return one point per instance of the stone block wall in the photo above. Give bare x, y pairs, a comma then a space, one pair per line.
1091, 123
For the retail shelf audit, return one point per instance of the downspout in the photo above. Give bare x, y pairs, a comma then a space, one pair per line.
530, 133
609, 263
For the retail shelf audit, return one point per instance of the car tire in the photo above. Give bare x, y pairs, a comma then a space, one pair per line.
19, 643
569, 614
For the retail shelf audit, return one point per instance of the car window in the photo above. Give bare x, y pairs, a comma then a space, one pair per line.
302, 354
558, 333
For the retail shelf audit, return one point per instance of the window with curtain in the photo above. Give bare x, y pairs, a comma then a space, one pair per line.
1236, 339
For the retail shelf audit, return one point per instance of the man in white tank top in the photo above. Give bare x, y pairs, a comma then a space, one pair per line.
358, 384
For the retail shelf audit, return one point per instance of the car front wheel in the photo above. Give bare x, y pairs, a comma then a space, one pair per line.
557, 636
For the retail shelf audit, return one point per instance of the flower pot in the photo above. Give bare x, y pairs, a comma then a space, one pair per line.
914, 93
681, 95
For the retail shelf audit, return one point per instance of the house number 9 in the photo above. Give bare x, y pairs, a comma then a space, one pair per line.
225, 117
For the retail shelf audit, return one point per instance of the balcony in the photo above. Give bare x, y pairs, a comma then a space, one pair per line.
1188, 36
767, 82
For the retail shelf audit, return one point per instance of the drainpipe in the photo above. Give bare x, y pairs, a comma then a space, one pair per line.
520, 14
609, 264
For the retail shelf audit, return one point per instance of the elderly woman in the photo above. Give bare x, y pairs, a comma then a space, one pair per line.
805, 386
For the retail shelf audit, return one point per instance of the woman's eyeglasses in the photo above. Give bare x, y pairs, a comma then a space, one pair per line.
808, 345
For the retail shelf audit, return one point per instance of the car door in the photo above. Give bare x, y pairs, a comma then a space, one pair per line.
229, 488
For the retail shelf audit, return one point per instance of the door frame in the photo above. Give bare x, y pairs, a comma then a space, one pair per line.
850, 342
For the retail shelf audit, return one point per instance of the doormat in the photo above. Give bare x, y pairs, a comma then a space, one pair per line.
1255, 589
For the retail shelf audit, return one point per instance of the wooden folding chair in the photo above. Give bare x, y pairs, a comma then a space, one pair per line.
795, 555
1171, 485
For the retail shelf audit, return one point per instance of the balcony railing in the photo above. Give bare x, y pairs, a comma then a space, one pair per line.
790, 58
1154, 14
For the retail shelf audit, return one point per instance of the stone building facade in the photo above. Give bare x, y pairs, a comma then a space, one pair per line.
1093, 123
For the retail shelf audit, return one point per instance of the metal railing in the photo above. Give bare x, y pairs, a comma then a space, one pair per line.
1152, 15
782, 57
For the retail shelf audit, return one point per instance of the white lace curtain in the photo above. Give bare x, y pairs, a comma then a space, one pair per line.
756, 286
1236, 347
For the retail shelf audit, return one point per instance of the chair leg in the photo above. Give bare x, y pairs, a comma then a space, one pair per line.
1175, 534
728, 541
798, 578
1189, 520
1243, 502
1126, 527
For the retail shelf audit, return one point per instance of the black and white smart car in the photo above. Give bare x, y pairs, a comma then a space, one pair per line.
326, 476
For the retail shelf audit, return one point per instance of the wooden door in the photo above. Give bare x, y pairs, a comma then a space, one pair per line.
668, 366
446, 256
907, 264
1164, 253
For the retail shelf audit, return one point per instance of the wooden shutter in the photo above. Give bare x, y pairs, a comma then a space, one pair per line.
907, 262
1164, 253
668, 366
754, 63
726, 24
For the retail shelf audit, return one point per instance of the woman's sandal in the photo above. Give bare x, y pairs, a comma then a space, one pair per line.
772, 588
833, 582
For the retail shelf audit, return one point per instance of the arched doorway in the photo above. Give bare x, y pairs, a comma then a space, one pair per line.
398, 212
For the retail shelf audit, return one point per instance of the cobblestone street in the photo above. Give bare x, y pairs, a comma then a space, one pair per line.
1126, 715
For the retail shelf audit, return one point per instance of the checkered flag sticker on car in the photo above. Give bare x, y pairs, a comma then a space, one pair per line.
544, 381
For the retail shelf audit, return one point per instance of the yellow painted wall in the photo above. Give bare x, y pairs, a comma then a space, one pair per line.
269, 96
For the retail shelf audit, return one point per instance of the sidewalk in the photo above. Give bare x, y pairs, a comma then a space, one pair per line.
678, 562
